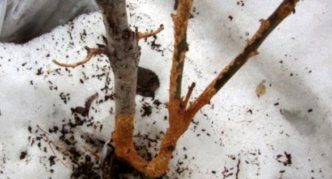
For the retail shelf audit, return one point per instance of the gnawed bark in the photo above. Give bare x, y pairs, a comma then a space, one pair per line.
124, 53
250, 50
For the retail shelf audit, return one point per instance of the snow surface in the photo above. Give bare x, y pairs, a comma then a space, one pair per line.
238, 134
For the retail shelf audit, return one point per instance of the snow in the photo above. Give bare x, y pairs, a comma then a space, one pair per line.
293, 117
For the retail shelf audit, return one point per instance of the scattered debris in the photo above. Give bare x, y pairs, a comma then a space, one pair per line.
23, 155
84, 111
261, 89
238, 169
146, 110
285, 159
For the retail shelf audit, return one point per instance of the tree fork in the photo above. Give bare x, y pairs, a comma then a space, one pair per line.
124, 54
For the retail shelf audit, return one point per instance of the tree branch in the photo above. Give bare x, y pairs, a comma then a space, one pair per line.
186, 99
267, 26
145, 35
124, 53
180, 20
91, 53
124, 123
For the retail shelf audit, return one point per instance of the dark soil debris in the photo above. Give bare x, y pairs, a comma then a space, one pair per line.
84, 111
23, 155
85, 170
146, 110
51, 159
285, 159
116, 168
39, 71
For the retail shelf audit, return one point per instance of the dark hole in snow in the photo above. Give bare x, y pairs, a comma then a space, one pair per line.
147, 82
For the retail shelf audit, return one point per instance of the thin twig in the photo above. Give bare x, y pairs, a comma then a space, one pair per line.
238, 169
145, 35
93, 153
50, 143
190, 90
91, 53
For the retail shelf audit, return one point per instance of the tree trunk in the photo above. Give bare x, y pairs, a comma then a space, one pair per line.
123, 53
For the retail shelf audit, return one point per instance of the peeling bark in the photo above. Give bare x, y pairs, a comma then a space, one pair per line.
250, 50
124, 52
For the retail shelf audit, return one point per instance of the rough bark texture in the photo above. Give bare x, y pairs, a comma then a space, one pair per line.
124, 53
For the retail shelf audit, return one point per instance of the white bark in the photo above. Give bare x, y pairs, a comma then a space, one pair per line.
124, 53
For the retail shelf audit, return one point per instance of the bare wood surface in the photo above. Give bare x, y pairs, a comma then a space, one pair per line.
91, 53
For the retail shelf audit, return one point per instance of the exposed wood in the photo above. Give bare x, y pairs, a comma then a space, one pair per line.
124, 56
187, 98
266, 27
91, 53
145, 35
180, 20
123, 134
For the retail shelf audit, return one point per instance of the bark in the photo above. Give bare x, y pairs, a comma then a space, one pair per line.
123, 51
250, 50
